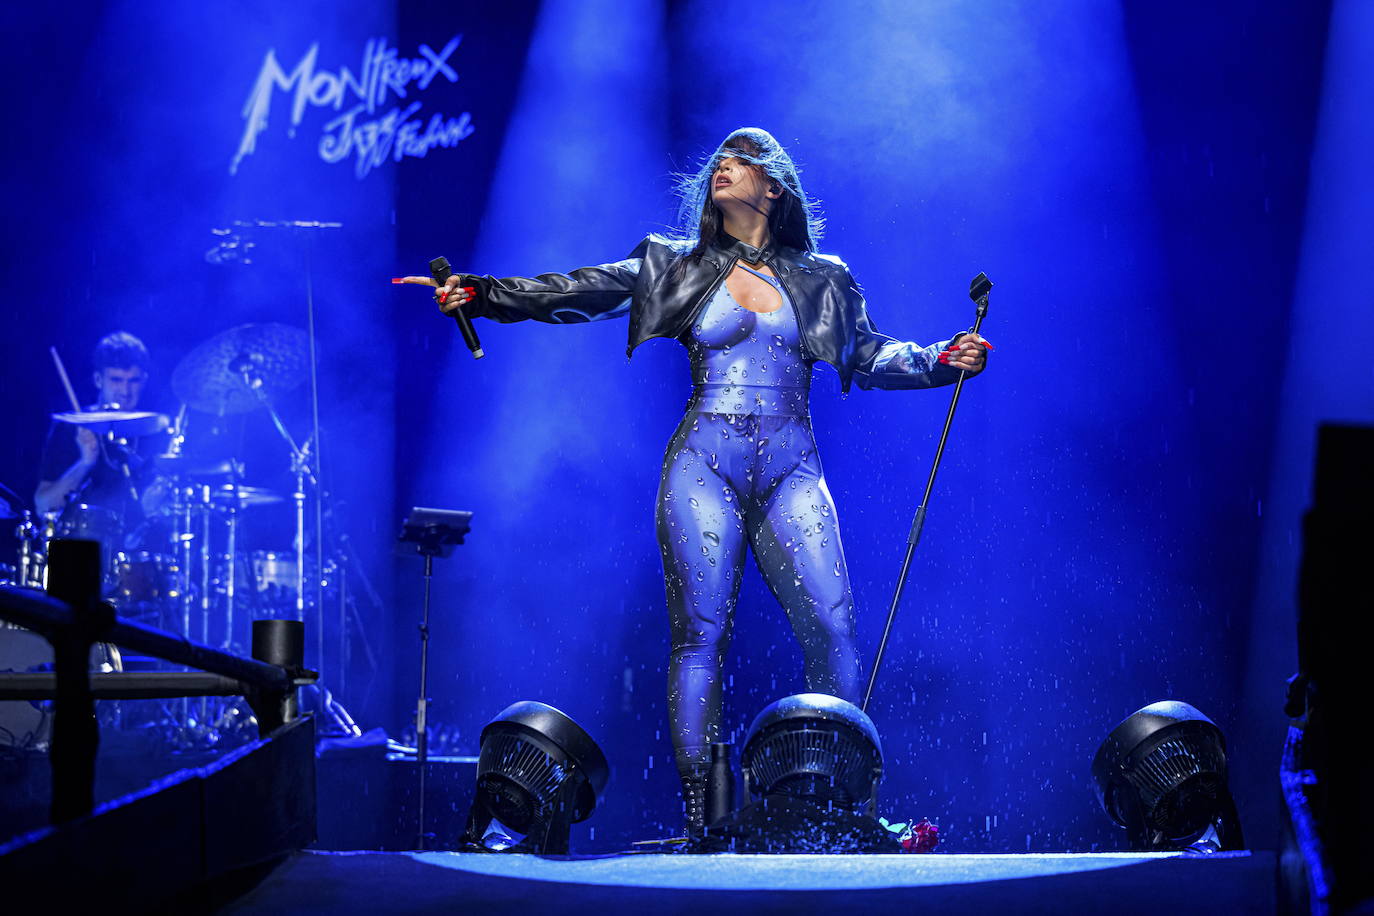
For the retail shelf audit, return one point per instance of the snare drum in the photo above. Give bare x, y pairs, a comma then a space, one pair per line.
92, 523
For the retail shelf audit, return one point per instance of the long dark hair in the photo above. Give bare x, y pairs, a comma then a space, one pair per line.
793, 220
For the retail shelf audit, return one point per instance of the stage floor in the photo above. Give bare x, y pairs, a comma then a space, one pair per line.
440, 882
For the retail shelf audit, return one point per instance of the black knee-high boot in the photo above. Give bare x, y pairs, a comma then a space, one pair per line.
693, 773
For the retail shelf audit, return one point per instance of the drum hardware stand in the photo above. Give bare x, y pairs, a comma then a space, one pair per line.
305, 231
31, 566
978, 292
205, 600
231, 562
434, 532
301, 468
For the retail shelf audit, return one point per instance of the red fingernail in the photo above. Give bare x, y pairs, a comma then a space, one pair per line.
944, 359
442, 297
988, 344
397, 280
469, 289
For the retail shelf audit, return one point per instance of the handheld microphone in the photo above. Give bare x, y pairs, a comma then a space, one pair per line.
440, 271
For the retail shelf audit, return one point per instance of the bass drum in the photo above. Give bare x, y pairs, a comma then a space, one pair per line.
27, 724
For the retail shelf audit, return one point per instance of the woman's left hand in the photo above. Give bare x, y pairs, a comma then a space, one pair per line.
968, 352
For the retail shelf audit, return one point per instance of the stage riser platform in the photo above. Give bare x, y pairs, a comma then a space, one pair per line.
370, 882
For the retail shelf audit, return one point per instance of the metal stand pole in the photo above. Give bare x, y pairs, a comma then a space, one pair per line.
979, 293
433, 532
299, 497
342, 659
231, 547
315, 438
421, 708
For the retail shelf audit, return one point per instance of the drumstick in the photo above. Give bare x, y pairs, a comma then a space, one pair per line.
66, 382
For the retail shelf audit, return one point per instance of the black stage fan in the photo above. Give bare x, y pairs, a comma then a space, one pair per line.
1161, 774
815, 747
812, 764
538, 773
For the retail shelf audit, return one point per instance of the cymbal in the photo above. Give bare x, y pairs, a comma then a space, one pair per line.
11, 506
127, 423
211, 377
186, 466
246, 497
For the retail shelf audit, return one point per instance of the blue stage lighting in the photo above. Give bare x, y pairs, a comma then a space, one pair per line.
538, 773
1161, 774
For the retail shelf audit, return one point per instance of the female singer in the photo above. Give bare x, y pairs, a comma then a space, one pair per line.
744, 289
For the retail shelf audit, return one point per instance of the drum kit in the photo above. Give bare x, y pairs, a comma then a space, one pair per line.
178, 560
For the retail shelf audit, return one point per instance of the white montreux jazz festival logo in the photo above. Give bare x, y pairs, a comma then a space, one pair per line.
362, 130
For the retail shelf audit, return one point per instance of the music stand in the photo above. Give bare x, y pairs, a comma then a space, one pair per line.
434, 532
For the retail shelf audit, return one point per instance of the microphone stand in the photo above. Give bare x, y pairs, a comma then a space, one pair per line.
978, 292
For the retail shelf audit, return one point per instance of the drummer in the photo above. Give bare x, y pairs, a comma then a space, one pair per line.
78, 467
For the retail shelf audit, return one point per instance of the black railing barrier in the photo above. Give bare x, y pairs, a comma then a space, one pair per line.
72, 617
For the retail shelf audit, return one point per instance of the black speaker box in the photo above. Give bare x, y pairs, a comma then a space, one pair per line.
368, 797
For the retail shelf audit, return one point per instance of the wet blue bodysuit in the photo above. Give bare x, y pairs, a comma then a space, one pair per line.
742, 468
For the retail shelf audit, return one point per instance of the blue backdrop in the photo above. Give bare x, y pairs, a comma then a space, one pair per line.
1114, 522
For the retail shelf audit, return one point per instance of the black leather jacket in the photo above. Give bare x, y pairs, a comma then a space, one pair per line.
662, 290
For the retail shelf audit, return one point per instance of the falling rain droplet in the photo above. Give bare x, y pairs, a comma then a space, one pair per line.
711, 537
692, 501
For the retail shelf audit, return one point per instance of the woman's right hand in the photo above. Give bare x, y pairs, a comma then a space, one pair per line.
451, 296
